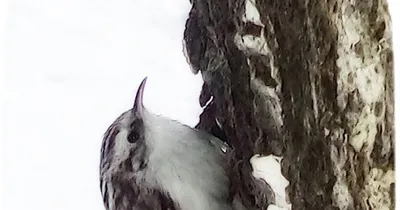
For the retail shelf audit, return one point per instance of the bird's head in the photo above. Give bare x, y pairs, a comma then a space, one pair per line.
124, 147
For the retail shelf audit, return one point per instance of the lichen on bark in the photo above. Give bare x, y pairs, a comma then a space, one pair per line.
308, 80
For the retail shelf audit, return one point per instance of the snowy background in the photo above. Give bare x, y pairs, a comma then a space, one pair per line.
71, 68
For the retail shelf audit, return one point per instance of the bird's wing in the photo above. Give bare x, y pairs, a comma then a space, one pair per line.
214, 141
223, 146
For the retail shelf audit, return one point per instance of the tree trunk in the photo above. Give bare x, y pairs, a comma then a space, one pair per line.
308, 80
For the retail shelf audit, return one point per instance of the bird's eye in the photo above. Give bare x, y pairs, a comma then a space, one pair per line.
136, 129
133, 136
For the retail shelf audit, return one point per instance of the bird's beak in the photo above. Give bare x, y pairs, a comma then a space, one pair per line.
138, 105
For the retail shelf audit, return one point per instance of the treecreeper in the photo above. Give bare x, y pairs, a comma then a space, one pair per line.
150, 162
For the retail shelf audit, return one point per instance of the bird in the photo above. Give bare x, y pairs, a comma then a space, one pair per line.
150, 162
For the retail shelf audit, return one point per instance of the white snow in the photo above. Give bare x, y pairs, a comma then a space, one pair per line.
251, 13
249, 43
252, 44
268, 168
72, 68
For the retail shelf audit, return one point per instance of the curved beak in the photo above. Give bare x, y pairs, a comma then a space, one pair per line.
138, 105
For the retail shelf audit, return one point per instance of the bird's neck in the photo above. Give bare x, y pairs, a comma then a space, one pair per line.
160, 131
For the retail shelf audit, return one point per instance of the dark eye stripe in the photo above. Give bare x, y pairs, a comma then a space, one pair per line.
137, 123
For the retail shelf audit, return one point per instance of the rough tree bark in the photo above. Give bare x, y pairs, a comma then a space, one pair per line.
308, 80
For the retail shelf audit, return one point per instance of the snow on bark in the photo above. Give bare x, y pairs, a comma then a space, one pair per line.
268, 168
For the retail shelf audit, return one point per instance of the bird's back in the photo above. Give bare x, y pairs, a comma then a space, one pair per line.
191, 167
